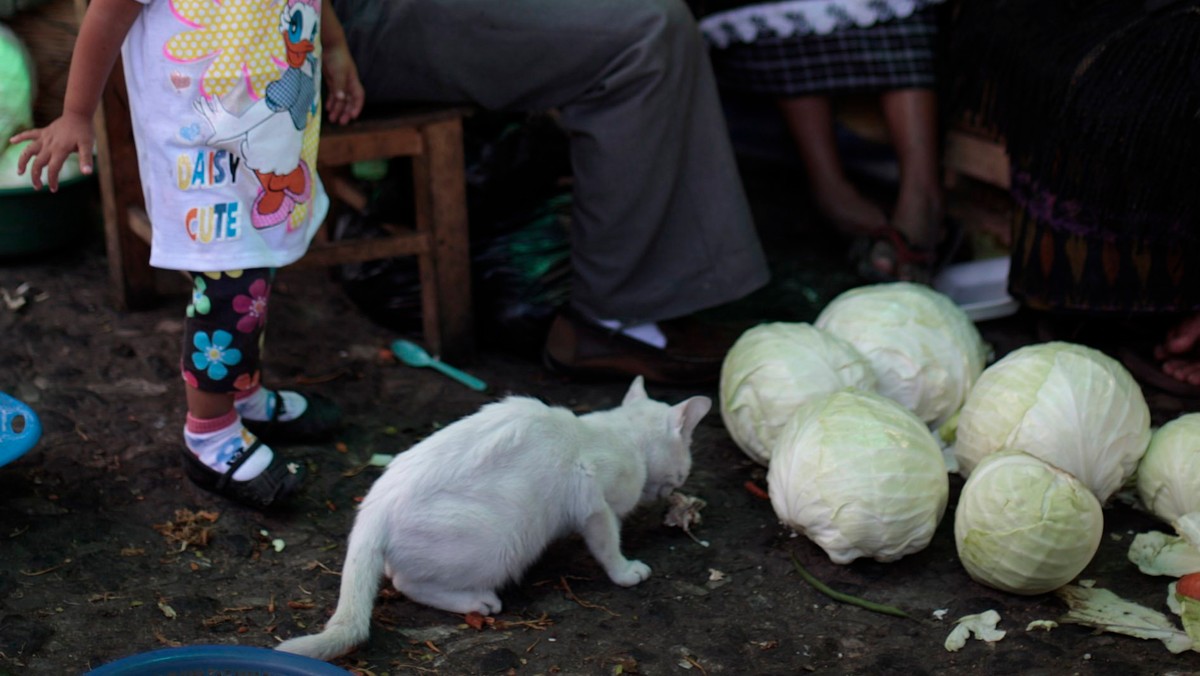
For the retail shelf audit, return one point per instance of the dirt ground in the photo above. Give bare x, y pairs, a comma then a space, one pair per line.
106, 550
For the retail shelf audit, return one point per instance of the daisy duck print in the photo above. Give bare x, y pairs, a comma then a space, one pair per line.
267, 135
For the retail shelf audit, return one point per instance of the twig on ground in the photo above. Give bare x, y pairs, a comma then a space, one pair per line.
566, 589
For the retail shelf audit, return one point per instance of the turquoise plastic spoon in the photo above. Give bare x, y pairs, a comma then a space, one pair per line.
414, 355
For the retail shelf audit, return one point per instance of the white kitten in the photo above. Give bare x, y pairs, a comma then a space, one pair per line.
470, 508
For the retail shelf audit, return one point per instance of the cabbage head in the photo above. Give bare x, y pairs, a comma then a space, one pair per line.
925, 351
774, 368
860, 476
1168, 476
1074, 407
1025, 526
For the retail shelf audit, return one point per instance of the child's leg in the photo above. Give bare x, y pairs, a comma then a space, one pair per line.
810, 121
222, 340
234, 304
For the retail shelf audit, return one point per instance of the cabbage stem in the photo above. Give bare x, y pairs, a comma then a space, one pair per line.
846, 598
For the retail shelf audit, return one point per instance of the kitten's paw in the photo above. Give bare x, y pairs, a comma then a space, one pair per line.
489, 604
629, 573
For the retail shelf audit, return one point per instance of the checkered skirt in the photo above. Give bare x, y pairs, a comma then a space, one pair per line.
895, 54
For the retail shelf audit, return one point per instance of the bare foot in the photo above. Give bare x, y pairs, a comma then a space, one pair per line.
918, 217
919, 214
848, 210
1180, 343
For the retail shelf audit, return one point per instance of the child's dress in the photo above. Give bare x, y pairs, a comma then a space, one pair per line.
225, 101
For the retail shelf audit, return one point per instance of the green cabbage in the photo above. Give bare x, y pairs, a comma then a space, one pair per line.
772, 370
1074, 407
925, 351
1168, 476
860, 476
1024, 526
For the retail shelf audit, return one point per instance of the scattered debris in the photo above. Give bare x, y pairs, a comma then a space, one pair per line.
51, 569
129, 387
13, 302
1157, 553
684, 512
846, 598
324, 568
169, 326
188, 529
1186, 594
477, 622
1044, 625
321, 378
688, 661
981, 625
20, 296
565, 587
167, 610
1105, 611
940, 614
753, 489
380, 460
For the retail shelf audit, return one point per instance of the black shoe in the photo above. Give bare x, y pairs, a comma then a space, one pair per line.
272, 488
579, 347
321, 418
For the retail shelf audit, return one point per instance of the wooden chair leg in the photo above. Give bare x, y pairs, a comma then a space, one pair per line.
133, 280
441, 168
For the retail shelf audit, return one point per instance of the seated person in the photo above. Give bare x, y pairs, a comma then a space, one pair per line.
660, 226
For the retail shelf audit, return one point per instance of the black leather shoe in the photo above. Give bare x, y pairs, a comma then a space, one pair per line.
270, 489
579, 347
321, 418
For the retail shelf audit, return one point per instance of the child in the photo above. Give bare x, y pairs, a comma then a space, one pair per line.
225, 100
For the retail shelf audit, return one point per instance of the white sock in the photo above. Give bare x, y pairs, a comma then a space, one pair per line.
217, 442
648, 333
260, 404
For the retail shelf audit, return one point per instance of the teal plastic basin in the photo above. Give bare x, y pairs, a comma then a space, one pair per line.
37, 221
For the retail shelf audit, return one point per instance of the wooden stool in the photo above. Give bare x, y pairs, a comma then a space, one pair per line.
438, 235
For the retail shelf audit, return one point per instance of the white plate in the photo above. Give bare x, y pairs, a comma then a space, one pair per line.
980, 288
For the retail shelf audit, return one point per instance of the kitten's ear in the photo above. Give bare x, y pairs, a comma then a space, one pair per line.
687, 414
637, 391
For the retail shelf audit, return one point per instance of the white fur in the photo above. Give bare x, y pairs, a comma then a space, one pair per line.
469, 509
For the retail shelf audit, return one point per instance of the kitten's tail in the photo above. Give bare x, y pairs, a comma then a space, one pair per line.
351, 622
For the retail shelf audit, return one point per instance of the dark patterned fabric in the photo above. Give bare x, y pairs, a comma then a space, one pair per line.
1098, 102
897, 54
1069, 256
222, 335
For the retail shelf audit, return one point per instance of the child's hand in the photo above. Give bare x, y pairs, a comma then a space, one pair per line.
345, 100
52, 145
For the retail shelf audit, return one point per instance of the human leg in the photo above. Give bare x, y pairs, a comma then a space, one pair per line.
809, 120
907, 248
222, 335
911, 118
661, 227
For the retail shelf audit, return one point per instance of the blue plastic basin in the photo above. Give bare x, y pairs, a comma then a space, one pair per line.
217, 660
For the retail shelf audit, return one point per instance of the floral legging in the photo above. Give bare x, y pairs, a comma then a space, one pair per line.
223, 332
